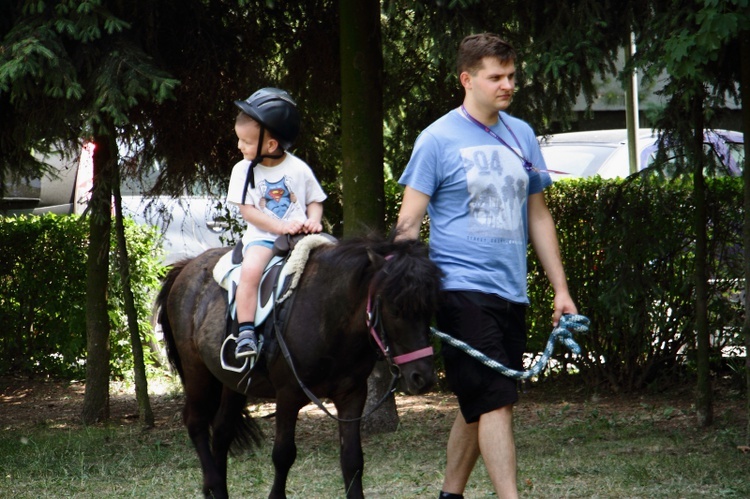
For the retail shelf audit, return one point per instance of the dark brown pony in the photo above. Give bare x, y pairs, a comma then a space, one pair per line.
329, 341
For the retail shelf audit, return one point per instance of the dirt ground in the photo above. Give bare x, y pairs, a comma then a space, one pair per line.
26, 402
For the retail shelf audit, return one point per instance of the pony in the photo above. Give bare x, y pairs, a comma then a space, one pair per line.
356, 301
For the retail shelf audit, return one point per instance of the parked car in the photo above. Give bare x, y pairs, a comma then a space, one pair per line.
605, 152
54, 192
190, 224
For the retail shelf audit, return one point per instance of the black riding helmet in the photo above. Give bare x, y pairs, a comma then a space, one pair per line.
275, 111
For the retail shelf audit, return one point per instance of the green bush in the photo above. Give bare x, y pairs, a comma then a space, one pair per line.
42, 294
628, 249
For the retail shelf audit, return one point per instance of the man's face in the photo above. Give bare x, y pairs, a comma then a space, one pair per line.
492, 86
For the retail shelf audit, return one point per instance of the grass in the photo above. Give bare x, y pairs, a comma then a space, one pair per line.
568, 446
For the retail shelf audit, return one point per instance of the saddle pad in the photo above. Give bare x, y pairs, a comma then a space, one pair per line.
295, 265
227, 274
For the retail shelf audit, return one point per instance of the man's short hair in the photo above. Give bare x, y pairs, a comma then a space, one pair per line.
474, 48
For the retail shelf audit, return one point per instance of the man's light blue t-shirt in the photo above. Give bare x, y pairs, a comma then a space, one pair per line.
478, 190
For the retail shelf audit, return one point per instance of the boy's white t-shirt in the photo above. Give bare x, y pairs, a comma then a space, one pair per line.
282, 191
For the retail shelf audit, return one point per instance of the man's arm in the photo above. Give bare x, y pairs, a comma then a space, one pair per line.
413, 207
543, 238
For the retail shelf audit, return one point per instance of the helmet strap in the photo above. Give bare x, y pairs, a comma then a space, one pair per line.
250, 178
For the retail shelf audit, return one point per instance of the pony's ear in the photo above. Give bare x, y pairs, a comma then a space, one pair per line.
375, 259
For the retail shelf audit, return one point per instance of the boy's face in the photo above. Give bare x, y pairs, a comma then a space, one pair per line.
248, 135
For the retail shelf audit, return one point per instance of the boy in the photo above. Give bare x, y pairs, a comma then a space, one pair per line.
277, 193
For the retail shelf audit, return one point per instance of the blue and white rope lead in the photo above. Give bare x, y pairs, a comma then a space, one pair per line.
563, 333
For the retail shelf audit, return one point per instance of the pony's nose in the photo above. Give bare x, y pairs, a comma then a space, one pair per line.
420, 383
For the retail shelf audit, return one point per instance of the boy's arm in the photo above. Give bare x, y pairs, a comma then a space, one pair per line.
260, 220
314, 218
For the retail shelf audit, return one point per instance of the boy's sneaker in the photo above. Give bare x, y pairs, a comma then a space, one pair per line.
247, 345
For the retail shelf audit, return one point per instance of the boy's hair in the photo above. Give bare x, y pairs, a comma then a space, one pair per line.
474, 48
243, 119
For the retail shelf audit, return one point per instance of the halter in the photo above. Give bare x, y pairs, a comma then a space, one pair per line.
373, 321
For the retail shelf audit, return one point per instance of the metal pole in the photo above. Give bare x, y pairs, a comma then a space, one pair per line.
631, 106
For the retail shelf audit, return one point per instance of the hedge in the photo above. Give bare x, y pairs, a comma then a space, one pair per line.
628, 249
42, 294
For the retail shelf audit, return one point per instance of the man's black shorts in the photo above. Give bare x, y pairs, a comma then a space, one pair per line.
495, 327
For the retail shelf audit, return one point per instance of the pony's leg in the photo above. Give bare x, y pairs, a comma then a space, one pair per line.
284, 447
227, 421
202, 400
351, 457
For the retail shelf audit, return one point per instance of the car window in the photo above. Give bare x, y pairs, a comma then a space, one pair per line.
138, 186
726, 159
575, 160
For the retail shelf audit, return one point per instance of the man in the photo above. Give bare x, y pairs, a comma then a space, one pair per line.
480, 175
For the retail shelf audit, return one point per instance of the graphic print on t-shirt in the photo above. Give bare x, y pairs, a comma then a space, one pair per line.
496, 183
278, 198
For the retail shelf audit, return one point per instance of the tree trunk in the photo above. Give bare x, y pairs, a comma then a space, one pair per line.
704, 391
745, 94
96, 395
362, 117
139, 366
362, 148
385, 418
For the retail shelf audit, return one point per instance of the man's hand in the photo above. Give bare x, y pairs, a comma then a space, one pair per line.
563, 305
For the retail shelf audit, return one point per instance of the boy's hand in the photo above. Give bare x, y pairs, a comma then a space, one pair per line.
312, 226
291, 227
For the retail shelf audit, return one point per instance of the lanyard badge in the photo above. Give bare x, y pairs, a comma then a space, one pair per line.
526, 163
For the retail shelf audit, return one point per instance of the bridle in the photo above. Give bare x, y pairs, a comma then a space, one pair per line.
373, 321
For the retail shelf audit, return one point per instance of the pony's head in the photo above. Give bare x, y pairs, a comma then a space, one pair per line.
405, 285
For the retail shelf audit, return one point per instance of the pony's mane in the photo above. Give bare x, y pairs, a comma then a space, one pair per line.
409, 281
406, 277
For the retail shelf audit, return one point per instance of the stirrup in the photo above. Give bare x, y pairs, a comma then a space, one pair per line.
228, 360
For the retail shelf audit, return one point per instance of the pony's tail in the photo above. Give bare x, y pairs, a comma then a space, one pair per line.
163, 318
248, 434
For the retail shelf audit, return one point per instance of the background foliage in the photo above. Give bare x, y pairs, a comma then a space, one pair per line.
628, 249
42, 295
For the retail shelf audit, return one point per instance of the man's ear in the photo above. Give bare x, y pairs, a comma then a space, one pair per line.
465, 79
